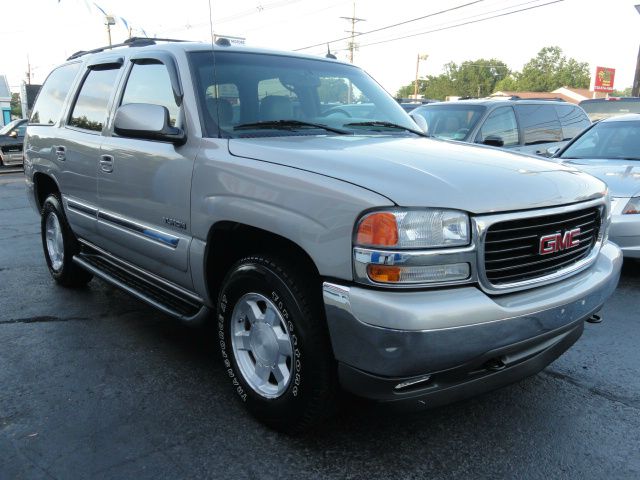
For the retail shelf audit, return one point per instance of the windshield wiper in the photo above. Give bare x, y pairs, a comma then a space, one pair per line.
287, 125
380, 123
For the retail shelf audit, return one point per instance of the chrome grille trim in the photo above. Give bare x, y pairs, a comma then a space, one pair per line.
577, 261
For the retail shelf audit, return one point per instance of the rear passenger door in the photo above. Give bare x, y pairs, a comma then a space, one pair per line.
78, 149
144, 185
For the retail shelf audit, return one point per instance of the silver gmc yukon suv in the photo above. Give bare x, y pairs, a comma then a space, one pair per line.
291, 202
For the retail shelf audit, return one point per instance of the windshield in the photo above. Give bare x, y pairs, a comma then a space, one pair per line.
8, 127
273, 95
598, 109
450, 121
612, 140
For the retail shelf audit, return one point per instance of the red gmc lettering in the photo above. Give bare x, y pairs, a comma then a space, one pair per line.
557, 242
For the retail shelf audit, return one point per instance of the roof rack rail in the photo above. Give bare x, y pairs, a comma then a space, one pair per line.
130, 42
549, 99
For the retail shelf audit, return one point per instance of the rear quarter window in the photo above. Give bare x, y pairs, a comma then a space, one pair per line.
572, 119
48, 107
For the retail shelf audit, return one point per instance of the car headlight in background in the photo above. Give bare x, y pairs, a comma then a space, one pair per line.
409, 247
632, 206
428, 228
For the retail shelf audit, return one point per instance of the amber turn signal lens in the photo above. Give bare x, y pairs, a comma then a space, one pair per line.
378, 229
384, 273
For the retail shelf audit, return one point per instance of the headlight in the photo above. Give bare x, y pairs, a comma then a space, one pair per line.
632, 207
398, 247
427, 228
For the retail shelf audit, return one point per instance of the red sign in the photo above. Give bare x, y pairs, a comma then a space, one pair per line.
604, 79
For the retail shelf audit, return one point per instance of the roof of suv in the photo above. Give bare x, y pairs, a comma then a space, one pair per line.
173, 46
501, 101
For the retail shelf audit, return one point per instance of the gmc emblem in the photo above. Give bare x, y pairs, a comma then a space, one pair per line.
557, 241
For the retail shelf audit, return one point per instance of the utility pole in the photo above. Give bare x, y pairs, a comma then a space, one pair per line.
353, 19
28, 72
635, 90
424, 56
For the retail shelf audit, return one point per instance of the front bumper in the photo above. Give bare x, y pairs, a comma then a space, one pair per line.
12, 158
625, 232
466, 341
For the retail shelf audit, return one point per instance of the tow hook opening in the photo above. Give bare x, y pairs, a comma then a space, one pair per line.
595, 318
495, 364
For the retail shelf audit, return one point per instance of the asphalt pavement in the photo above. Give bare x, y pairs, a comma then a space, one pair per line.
95, 384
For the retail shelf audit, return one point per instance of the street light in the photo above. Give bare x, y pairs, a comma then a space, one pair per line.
108, 21
635, 90
423, 57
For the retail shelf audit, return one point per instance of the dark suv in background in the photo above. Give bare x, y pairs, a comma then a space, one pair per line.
601, 108
529, 126
11, 140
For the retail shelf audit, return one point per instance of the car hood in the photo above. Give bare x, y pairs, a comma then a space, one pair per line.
622, 176
421, 172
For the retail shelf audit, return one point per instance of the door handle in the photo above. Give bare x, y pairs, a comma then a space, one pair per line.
106, 163
61, 153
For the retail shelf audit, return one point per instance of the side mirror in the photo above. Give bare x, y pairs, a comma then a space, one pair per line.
493, 141
147, 121
13, 134
552, 151
420, 121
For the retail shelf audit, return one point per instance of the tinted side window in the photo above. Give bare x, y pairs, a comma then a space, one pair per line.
90, 109
572, 119
48, 107
150, 83
539, 123
500, 123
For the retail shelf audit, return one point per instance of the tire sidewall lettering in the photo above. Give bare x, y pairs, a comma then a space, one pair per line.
225, 307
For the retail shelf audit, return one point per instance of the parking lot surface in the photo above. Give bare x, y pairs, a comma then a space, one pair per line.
95, 384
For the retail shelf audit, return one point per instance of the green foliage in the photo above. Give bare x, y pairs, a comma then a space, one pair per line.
622, 93
16, 106
548, 70
471, 78
333, 90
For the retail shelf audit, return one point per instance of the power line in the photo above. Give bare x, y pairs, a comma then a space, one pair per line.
394, 25
483, 14
461, 24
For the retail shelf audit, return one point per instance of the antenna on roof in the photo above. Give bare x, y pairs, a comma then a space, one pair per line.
329, 54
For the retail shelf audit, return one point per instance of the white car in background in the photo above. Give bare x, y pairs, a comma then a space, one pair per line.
610, 150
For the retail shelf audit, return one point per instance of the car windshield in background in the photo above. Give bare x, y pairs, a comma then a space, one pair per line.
598, 109
9, 126
450, 121
275, 95
612, 140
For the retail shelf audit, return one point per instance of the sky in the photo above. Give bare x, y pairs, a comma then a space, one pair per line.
45, 32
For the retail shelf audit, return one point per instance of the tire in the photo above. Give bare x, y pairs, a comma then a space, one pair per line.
60, 245
263, 302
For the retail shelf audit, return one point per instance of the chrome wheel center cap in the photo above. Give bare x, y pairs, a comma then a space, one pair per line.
264, 344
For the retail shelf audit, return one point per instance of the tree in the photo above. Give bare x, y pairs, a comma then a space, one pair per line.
16, 106
473, 78
550, 69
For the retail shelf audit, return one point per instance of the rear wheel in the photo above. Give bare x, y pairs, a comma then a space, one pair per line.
60, 245
275, 344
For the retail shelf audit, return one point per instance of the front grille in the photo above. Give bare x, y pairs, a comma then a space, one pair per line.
512, 247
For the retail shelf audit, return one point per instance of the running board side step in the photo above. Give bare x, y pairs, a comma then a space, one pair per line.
166, 297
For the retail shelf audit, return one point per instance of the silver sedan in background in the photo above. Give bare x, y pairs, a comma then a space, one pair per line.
610, 150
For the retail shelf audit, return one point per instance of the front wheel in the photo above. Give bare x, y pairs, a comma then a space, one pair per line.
274, 343
60, 245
